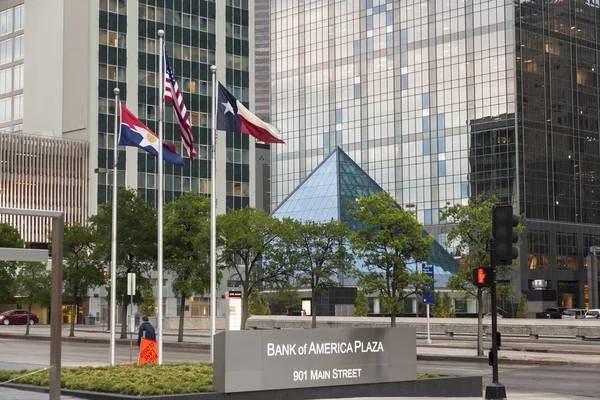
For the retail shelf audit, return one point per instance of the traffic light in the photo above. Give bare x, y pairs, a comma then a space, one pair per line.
483, 276
503, 222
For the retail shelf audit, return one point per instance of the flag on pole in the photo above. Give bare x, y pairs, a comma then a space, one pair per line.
135, 134
173, 94
232, 116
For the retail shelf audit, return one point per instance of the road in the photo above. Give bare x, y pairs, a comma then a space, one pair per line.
567, 382
564, 381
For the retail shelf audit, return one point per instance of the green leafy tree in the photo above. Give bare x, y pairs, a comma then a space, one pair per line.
31, 283
82, 272
470, 230
286, 298
249, 247
442, 308
147, 301
187, 246
523, 309
136, 243
9, 238
320, 259
388, 239
258, 304
361, 304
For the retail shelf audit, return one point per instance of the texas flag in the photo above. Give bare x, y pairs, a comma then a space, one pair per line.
136, 134
232, 116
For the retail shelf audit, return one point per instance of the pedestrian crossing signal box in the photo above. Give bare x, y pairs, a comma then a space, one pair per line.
483, 276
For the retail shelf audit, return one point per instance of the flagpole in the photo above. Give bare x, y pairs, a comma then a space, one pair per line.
213, 218
159, 202
113, 243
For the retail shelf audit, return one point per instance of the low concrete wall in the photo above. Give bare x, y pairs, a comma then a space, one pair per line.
527, 327
190, 323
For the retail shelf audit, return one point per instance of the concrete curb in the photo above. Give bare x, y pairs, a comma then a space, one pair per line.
174, 345
504, 361
443, 387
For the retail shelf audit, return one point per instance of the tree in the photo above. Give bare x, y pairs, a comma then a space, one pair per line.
136, 243
249, 248
9, 238
286, 297
32, 281
187, 245
470, 228
361, 304
442, 308
258, 304
388, 239
81, 271
319, 257
522, 310
147, 301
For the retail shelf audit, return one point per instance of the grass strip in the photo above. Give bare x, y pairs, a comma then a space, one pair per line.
137, 380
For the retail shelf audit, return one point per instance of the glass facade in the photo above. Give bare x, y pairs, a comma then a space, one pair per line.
190, 40
440, 101
402, 87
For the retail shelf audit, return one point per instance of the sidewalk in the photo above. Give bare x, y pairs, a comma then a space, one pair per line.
507, 356
99, 334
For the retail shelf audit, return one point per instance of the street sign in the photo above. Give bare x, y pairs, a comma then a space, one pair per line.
430, 297
256, 360
130, 284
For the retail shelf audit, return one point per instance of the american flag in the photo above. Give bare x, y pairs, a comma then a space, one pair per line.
172, 93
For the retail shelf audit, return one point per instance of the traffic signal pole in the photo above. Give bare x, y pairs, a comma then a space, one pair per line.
502, 252
495, 390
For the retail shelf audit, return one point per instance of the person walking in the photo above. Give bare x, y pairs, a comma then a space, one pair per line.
146, 331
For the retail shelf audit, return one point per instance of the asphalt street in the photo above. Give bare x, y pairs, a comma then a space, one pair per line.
564, 381
559, 381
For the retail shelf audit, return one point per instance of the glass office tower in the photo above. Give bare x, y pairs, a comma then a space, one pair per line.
442, 100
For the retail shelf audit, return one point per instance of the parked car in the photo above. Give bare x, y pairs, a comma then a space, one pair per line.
574, 313
16, 317
592, 314
551, 313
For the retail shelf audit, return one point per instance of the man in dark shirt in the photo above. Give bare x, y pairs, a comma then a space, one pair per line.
146, 330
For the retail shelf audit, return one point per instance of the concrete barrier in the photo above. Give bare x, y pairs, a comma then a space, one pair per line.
449, 327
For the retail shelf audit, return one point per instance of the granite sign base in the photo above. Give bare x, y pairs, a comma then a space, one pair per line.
468, 386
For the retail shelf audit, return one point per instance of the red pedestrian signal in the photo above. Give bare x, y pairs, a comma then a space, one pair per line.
483, 276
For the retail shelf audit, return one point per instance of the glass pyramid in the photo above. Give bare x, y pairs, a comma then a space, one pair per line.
327, 192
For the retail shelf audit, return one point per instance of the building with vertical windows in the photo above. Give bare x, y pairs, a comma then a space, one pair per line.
79, 51
12, 54
441, 101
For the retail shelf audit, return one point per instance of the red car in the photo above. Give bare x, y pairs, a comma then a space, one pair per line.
18, 317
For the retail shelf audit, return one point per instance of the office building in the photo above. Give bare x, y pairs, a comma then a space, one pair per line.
442, 101
77, 52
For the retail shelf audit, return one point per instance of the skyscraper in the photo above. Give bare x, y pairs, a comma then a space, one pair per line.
77, 52
441, 101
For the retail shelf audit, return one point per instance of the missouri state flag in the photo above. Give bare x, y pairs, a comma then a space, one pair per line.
232, 116
136, 134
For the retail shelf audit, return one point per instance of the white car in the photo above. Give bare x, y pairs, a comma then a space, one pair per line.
594, 313
574, 313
